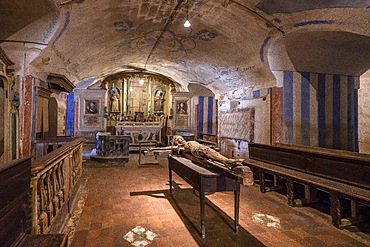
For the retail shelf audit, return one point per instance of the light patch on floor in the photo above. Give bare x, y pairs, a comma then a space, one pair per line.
269, 220
139, 236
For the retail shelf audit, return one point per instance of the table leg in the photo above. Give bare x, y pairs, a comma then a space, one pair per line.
202, 212
170, 177
236, 207
262, 180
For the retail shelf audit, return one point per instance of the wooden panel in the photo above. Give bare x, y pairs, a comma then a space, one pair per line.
280, 156
13, 224
192, 173
347, 171
45, 240
198, 176
14, 205
348, 167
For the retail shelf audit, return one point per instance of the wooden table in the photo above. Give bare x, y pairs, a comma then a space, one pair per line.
204, 181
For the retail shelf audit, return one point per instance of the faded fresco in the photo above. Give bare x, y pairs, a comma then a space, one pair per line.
237, 125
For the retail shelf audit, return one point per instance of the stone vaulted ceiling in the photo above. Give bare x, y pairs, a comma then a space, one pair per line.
226, 47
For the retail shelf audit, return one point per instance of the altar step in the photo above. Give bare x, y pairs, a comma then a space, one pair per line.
123, 159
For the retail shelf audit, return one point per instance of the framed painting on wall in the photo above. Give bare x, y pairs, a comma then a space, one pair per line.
91, 106
182, 107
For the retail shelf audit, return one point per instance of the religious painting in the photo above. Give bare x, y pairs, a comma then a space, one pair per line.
91, 106
182, 107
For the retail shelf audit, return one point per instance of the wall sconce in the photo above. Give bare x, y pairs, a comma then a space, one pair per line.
187, 23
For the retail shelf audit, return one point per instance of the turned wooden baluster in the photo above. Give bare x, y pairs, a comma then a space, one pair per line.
78, 154
43, 217
60, 177
54, 190
73, 170
77, 164
49, 204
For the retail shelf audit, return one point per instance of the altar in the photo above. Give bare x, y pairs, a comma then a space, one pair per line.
111, 148
140, 132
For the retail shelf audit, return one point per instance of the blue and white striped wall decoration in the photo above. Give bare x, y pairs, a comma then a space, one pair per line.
70, 114
320, 109
207, 122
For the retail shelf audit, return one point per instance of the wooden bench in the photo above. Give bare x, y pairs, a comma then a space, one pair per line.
342, 174
204, 180
15, 208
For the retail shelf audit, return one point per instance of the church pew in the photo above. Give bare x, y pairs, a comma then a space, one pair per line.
342, 174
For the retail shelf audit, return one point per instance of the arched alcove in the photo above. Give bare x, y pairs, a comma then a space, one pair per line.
328, 52
132, 92
319, 73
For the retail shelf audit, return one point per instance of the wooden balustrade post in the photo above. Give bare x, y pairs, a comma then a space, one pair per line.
43, 217
54, 190
35, 198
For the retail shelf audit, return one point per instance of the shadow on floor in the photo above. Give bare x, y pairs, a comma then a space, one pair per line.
219, 226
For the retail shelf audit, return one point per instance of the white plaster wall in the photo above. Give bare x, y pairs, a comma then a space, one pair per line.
364, 113
61, 98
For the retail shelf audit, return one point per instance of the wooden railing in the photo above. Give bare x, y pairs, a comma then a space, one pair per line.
54, 181
45, 146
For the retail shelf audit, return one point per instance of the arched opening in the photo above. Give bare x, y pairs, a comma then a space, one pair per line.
319, 72
138, 97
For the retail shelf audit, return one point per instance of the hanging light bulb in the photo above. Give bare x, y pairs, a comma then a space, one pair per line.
187, 22
141, 79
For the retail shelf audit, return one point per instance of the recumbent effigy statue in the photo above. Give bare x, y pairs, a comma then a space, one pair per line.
201, 152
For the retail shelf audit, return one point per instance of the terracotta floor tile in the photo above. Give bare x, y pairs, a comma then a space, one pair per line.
117, 199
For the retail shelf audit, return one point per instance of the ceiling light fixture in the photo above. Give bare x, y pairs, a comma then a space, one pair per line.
187, 23
141, 79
